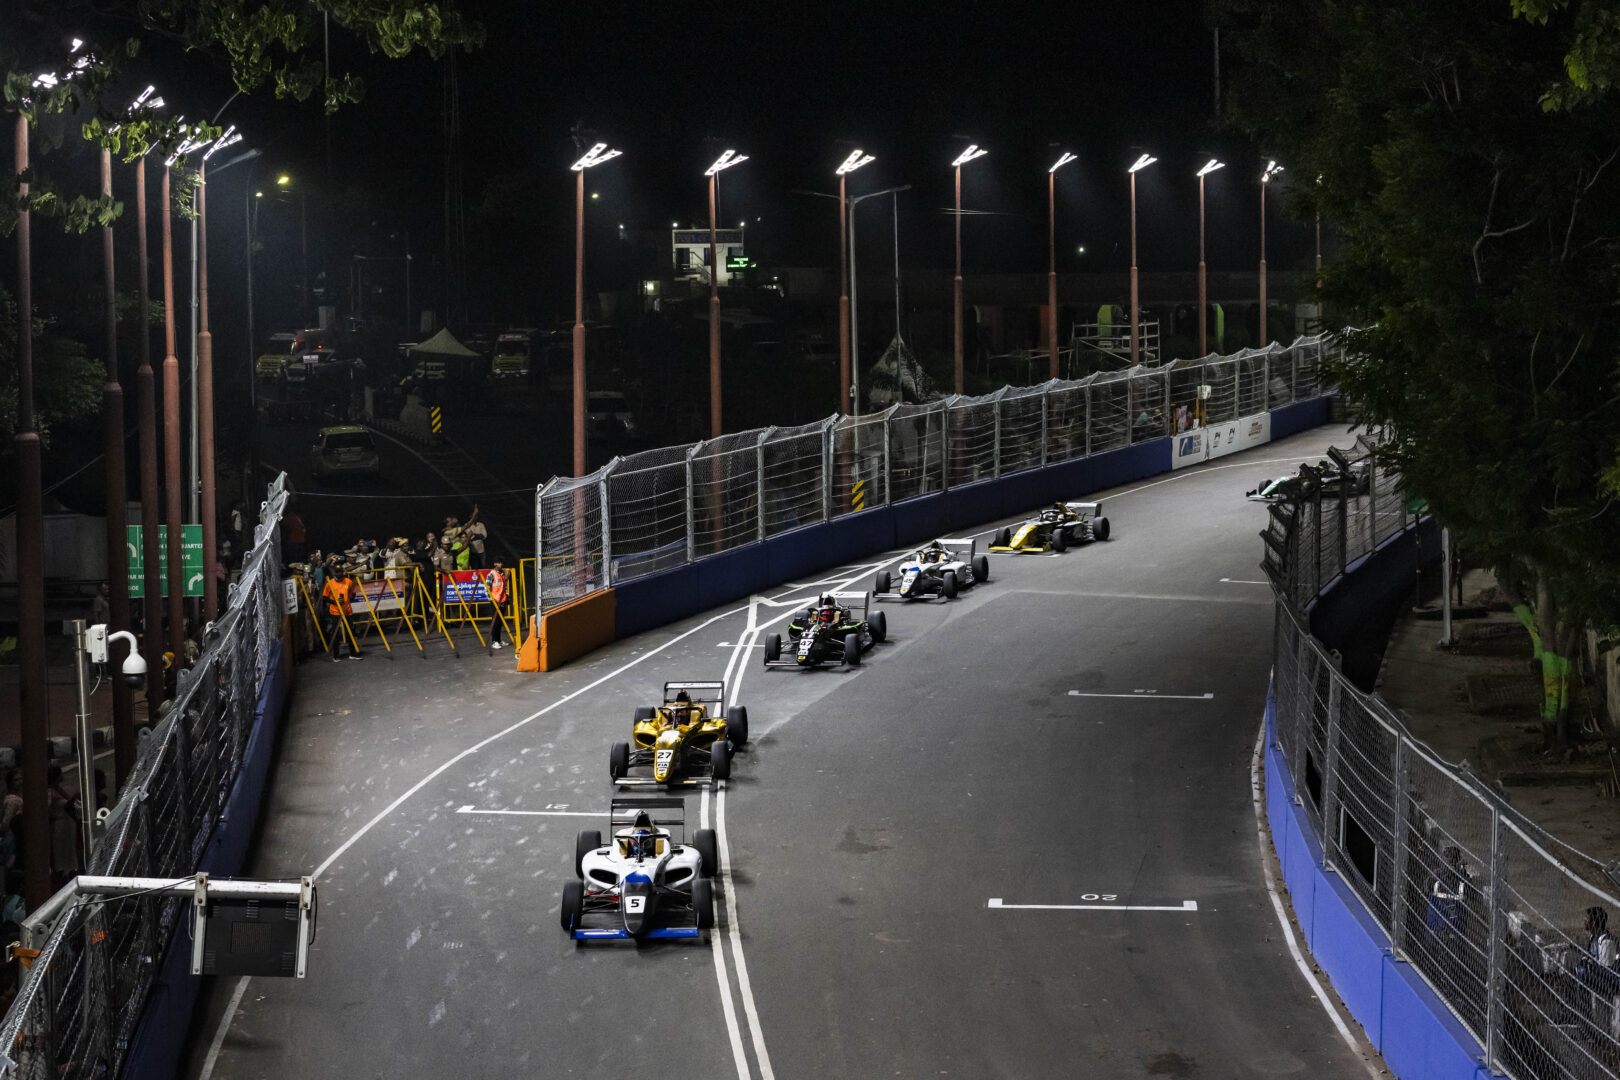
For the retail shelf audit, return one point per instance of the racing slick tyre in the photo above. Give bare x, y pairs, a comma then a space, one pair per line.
880, 626
573, 905
737, 724
703, 904
720, 759
708, 850
947, 587
773, 647
981, 568
1003, 538
852, 649
1099, 528
587, 841
881, 583
645, 712
619, 760
1060, 540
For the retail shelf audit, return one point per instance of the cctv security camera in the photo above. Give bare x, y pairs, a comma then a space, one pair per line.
134, 668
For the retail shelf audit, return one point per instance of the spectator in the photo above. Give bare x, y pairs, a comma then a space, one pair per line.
476, 535
461, 551
292, 530
64, 820
13, 909
444, 559
11, 820
101, 606
1448, 897
339, 595
1596, 973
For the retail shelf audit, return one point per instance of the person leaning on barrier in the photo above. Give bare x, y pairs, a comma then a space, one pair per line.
1448, 896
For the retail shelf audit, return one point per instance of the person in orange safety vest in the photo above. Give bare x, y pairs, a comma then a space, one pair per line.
339, 594
495, 587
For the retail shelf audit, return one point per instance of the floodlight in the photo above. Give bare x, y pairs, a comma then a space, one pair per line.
1142, 162
855, 160
230, 138
1210, 166
726, 161
968, 155
1272, 169
1062, 161
595, 156
283, 180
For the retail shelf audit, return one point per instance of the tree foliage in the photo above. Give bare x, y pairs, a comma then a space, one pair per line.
67, 380
1467, 156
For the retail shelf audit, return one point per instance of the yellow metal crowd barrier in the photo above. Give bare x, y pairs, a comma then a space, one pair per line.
421, 605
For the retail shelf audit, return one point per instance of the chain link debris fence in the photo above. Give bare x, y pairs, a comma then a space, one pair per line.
1491, 910
665, 507
81, 998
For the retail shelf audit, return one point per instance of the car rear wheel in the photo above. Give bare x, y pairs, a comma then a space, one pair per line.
947, 586
587, 841
880, 626
852, 649
703, 903
1003, 538
1099, 528
619, 760
773, 647
573, 905
708, 852
881, 584
720, 759
737, 724
1060, 540
981, 568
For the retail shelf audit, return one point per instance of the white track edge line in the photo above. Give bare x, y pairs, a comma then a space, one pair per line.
1255, 771
718, 949
224, 1026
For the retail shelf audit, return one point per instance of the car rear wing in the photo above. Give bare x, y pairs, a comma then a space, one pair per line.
663, 811
962, 549
1092, 508
859, 603
711, 694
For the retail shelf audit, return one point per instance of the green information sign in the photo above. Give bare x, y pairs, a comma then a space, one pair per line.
191, 560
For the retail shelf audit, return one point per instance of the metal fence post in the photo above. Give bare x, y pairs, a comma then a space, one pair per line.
539, 545
1088, 418
607, 523
759, 482
888, 457
1372, 499
691, 510
945, 445
1302, 649
1400, 856
1330, 777
1344, 525
1046, 395
826, 467
995, 433
1494, 945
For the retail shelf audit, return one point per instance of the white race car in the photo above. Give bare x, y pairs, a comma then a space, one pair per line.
939, 568
644, 878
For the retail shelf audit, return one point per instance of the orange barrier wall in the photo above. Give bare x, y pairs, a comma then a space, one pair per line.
576, 628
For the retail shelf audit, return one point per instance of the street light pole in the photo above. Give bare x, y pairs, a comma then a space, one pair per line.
1272, 169
1136, 316
171, 441
854, 288
205, 387
1203, 294
1051, 256
117, 485
854, 161
146, 420
595, 156
725, 161
956, 284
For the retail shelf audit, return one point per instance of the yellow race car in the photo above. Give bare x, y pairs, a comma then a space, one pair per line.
1054, 529
686, 740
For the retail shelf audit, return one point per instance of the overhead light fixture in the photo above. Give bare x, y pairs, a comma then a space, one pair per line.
726, 161
230, 138
1062, 161
1272, 169
856, 159
968, 155
595, 156
1210, 166
1143, 162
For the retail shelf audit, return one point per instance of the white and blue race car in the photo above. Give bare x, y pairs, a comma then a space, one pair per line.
939, 568
645, 879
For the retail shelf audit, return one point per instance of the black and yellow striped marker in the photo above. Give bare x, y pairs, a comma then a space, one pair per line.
857, 495
436, 419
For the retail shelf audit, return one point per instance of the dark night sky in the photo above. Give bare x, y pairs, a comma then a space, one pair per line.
795, 87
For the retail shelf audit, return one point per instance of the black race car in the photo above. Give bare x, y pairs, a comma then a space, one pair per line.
836, 629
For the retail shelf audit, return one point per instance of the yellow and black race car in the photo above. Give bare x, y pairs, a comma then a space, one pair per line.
1054, 529
686, 740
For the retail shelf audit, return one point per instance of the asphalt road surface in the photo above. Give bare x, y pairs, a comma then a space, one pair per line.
1017, 841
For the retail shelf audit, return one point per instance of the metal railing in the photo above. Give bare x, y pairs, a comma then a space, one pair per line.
662, 508
78, 1004
1488, 907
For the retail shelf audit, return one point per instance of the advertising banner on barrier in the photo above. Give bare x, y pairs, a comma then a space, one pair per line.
1189, 448
464, 587
1206, 444
381, 597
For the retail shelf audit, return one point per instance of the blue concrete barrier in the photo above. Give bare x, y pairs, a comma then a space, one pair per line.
159, 1043
1300, 416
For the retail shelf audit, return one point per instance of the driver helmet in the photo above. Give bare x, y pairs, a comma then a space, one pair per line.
827, 611
643, 839
681, 711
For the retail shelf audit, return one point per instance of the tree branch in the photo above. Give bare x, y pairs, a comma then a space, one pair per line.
1578, 343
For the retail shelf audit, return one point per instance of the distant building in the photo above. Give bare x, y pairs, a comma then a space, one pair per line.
690, 249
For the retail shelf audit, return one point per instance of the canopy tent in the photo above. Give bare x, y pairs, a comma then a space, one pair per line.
441, 344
